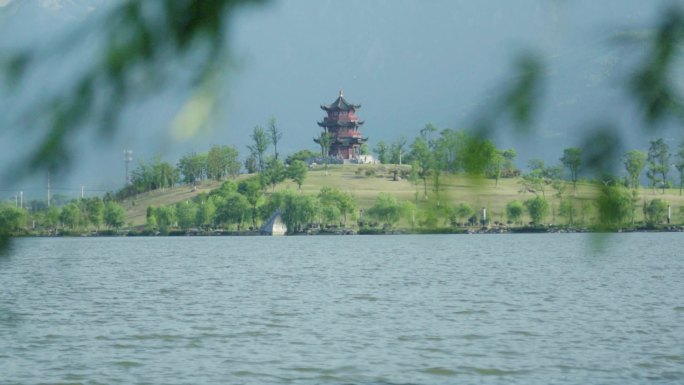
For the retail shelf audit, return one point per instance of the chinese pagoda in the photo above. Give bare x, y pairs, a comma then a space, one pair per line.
342, 125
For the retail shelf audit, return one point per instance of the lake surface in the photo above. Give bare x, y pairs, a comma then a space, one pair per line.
467, 309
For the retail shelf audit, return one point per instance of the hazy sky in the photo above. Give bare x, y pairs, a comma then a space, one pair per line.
407, 62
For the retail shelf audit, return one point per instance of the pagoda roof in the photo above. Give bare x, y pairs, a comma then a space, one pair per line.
340, 104
340, 123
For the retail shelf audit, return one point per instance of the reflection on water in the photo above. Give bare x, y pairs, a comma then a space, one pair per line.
510, 309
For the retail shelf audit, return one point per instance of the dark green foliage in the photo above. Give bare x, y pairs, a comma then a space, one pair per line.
166, 217
343, 203
634, 162
274, 173
461, 213
274, 135
601, 151
95, 211
298, 211
679, 166
193, 168
303, 155
251, 165
232, 209
514, 211
137, 44
386, 209
382, 150
251, 189
259, 146
206, 210
114, 215
397, 151
71, 216
12, 219
538, 209
479, 154
523, 96
222, 162
572, 160
186, 214
615, 207
653, 84
658, 163
655, 211
297, 172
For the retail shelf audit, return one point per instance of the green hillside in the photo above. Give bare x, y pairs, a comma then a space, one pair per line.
365, 182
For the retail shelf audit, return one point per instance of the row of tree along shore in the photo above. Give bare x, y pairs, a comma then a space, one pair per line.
573, 195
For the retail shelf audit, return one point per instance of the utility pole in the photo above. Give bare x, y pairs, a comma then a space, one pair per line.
21, 199
128, 157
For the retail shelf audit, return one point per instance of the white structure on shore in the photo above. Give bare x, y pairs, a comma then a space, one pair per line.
274, 225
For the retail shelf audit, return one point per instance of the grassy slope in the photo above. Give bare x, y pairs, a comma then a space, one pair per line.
455, 189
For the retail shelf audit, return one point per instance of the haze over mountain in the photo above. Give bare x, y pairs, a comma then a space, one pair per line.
407, 62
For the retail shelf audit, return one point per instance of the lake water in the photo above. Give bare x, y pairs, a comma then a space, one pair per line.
467, 309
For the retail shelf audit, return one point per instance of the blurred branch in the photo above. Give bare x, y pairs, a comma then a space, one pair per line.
139, 40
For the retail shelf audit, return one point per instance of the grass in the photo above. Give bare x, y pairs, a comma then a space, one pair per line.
365, 182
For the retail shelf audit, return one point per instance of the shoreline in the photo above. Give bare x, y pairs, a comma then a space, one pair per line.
361, 232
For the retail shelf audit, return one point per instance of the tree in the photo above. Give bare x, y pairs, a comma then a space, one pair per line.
259, 147
566, 209
383, 152
192, 167
297, 172
509, 166
299, 210
251, 165
274, 173
232, 210
655, 211
538, 208
572, 160
478, 155
71, 216
151, 218
303, 155
12, 219
344, 203
420, 151
496, 165
540, 176
449, 149
680, 166
325, 140
275, 135
222, 161
397, 150
615, 207
114, 215
51, 217
658, 163
514, 211
164, 174
634, 162
251, 189
386, 209
205, 213
95, 210
462, 212
166, 216
186, 214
